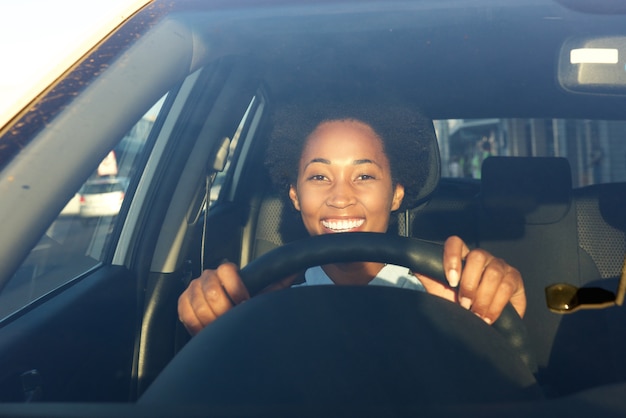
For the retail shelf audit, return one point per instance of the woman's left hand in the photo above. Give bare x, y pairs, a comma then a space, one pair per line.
484, 284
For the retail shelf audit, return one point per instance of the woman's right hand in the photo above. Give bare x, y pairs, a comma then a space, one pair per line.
210, 296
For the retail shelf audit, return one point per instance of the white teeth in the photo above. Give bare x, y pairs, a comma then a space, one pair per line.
343, 225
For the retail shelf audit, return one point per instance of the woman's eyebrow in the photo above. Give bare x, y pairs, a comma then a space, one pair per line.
365, 161
318, 160
355, 162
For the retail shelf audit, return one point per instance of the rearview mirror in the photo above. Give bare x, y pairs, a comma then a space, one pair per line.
593, 65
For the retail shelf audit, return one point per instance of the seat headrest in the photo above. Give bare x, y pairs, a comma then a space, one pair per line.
530, 190
434, 167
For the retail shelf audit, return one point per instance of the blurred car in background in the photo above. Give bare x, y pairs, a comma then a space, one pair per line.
102, 197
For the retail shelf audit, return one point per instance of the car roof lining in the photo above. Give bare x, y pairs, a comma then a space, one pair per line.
305, 50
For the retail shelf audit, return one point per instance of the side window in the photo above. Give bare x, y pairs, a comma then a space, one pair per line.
76, 241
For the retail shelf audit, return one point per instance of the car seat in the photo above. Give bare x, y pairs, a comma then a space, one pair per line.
531, 217
451, 210
527, 218
589, 344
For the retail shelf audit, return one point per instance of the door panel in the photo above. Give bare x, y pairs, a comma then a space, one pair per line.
80, 341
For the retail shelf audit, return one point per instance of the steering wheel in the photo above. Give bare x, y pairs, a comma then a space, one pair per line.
420, 256
323, 345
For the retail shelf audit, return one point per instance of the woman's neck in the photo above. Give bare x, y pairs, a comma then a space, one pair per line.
352, 273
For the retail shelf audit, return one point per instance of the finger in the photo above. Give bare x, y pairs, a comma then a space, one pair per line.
230, 279
435, 287
454, 252
493, 292
501, 284
518, 299
206, 297
500, 299
186, 316
187, 313
472, 275
221, 290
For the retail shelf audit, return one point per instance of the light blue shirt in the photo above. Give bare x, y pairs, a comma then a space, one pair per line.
389, 275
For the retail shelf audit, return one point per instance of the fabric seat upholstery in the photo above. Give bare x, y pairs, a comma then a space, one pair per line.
531, 217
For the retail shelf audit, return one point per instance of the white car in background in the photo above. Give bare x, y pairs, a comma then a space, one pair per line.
102, 197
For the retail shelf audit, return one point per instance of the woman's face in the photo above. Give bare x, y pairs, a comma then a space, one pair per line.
344, 180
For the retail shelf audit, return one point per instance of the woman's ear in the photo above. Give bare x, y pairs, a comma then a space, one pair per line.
293, 195
398, 195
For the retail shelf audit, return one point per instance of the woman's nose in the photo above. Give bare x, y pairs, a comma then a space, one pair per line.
341, 195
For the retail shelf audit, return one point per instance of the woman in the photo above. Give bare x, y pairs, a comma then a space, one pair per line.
348, 178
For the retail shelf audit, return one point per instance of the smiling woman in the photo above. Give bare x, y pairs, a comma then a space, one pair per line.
403, 126
346, 183
344, 180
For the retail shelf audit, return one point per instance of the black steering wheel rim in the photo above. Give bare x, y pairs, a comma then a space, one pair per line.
313, 346
420, 256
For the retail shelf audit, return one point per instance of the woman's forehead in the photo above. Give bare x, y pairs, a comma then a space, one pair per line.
344, 143
343, 131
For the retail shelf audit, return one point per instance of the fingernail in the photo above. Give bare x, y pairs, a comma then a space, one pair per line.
453, 277
465, 302
488, 321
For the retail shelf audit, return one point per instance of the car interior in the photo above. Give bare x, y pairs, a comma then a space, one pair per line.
95, 329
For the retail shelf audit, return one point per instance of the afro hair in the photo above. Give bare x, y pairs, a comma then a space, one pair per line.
405, 132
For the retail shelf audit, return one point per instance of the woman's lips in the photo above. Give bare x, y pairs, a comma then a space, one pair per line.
342, 225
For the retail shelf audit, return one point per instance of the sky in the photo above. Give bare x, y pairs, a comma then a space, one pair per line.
36, 36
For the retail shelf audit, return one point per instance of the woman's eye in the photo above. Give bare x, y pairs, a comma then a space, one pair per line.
317, 177
365, 177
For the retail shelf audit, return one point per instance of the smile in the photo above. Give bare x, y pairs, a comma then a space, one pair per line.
342, 225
